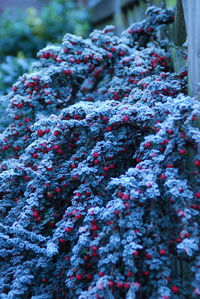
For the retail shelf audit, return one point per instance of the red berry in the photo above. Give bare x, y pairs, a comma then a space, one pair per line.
162, 251
40, 133
19, 105
163, 177
187, 235
27, 119
169, 166
79, 276
16, 148
89, 277
163, 75
94, 253
182, 151
16, 117
68, 229
149, 29
120, 194
197, 162
56, 147
111, 284
94, 227
126, 197
35, 213
108, 129
129, 274
76, 116
170, 131
94, 247
148, 256
178, 240
14, 88
95, 155
197, 194
112, 166
148, 184
87, 193
126, 285
101, 274
138, 160
86, 258
112, 49
175, 289
47, 130
61, 241
148, 144
44, 280
119, 285
69, 71
183, 135
126, 118
27, 178
78, 194
56, 133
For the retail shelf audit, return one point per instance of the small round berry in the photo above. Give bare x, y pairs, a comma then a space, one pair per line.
175, 289
148, 144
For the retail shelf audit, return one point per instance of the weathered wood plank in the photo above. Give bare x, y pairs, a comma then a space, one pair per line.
191, 11
179, 27
118, 17
106, 8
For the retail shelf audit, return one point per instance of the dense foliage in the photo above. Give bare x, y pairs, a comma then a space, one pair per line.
100, 173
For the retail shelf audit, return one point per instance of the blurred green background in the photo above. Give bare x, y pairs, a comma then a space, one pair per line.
23, 32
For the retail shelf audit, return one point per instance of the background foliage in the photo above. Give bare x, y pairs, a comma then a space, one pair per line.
22, 34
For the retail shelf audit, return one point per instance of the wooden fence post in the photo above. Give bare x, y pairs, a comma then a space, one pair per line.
191, 12
118, 17
179, 26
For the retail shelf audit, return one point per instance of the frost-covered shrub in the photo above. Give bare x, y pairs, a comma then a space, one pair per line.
99, 177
